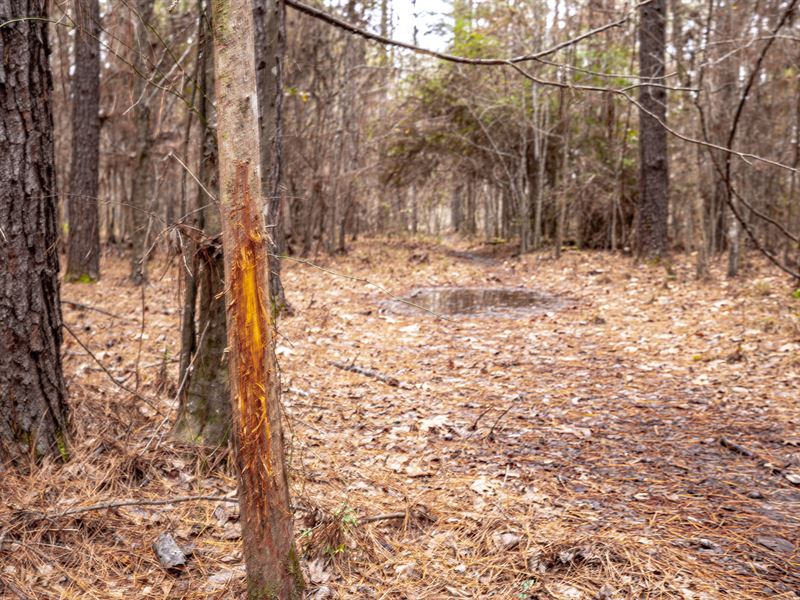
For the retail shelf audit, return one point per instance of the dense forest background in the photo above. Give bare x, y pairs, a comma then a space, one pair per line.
382, 139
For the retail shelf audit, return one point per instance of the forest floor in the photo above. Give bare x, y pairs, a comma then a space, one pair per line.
640, 439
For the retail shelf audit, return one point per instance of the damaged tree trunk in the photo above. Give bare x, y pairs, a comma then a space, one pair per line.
273, 569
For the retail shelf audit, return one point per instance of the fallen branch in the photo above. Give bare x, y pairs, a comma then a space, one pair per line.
387, 379
81, 306
386, 517
180, 499
122, 503
737, 448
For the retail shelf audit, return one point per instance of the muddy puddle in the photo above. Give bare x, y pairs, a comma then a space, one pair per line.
475, 302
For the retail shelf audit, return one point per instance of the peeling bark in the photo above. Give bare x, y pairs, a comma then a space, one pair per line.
267, 533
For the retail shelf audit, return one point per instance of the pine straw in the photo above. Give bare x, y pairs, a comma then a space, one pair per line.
603, 476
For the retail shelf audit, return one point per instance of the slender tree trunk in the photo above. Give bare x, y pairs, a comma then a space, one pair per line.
540, 122
414, 210
270, 40
204, 414
83, 248
562, 200
471, 208
526, 199
455, 208
654, 175
142, 185
790, 248
33, 409
273, 569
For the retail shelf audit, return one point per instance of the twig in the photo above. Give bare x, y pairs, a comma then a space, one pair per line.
14, 589
179, 392
386, 517
81, 306
110, 375
474, 425
387, 379
209, 194
490, 435
141, 331
737, 448
121, 503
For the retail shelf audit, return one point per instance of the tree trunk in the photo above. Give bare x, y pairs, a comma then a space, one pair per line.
273, 569
562, 200
270, 40
142, 178
33, 409
654, 174
414, 210
455, 208
204, 415
83, 248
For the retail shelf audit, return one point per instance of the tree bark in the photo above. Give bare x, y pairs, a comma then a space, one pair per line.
273, 569
654, 173
270, 40
142, 185
204, 415
83, 248
33, 409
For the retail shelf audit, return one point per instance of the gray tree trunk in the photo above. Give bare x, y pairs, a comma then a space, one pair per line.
33, 409
270, 40
204, 414
142, 185
83, 247
654, 167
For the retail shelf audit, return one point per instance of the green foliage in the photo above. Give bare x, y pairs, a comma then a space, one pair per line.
296, 93
61, 444
296, 572
796, 294
525, 588
347, 516
334, 550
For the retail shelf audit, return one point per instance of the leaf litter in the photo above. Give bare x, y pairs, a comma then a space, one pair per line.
589, 451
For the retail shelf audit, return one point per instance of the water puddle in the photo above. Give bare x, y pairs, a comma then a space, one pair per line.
473, 301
